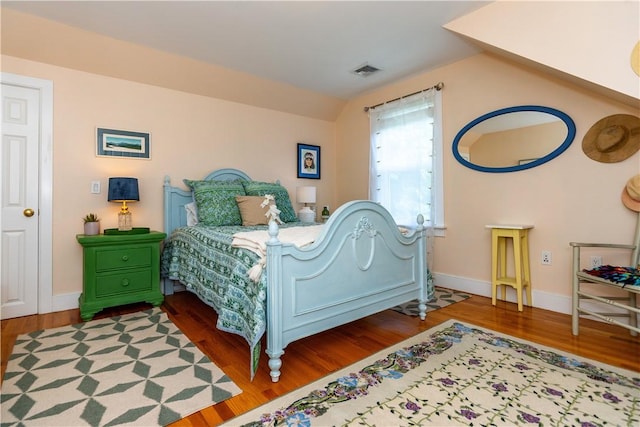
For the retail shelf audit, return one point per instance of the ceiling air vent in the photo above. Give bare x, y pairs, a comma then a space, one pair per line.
365, 70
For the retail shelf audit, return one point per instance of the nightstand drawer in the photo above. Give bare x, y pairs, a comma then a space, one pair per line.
119, 269
121, 283
123, 258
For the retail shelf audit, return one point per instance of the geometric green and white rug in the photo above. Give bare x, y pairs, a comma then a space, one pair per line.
457, 374
136, 369
442, 297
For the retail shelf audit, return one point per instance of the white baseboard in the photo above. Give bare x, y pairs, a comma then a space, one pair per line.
541, 299
68, 301
61, 302
548, 301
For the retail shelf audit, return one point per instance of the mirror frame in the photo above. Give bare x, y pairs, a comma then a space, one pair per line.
571, 128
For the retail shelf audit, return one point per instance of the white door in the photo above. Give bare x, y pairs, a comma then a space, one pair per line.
20, 162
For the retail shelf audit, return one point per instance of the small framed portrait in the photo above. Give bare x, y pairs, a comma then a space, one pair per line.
308, 161
122, 143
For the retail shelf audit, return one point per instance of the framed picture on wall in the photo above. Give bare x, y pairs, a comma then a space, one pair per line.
308, 161
122, 143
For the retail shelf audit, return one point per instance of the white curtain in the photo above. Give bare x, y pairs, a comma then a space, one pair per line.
401, 175
404, 171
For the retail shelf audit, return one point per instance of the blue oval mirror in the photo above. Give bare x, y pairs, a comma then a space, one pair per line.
514, 138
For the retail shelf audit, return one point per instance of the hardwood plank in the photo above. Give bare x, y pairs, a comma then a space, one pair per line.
314, 357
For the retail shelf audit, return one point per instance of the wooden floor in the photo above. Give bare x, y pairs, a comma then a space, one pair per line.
311, 358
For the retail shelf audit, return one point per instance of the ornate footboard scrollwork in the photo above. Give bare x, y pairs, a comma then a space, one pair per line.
359, 265
363, 226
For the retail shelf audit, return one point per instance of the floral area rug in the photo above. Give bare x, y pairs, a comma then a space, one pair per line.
441, 298
137, 369
457, 374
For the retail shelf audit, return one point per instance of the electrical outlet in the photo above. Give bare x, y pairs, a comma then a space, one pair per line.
546, 258
596, 261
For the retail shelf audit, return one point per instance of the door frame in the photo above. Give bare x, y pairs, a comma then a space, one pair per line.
45, 184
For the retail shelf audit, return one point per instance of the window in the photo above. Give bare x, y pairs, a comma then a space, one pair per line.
405, 173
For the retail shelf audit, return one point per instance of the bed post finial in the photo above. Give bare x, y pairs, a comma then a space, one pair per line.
273, 232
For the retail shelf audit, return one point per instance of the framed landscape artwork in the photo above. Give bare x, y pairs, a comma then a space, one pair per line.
308, 161
122, 143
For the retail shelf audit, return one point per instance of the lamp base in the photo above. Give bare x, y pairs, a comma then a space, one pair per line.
306, 215
124, 221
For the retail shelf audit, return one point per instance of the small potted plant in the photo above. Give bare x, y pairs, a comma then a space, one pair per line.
91, 224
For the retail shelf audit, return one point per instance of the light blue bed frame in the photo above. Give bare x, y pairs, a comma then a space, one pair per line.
359, 265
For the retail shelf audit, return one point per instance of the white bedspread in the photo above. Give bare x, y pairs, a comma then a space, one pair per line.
256, 241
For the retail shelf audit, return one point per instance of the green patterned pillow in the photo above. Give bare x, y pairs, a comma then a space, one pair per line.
216, 201
257, 188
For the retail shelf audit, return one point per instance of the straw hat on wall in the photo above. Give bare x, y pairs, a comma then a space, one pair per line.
631, 194
613, 138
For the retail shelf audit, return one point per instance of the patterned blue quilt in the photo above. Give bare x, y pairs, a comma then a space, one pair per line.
202, 259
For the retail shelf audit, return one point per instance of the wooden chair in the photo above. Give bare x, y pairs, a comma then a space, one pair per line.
627, 303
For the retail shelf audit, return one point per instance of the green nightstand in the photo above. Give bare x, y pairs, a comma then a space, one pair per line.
120, 269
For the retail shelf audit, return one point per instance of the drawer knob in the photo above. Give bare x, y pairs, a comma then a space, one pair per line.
125, 282
125, 257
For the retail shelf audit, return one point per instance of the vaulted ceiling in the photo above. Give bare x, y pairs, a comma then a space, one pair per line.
313, 45
299, 56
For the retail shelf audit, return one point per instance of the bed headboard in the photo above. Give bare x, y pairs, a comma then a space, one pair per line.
175, 198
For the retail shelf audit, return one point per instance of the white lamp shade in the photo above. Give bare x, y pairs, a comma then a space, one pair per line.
306, 194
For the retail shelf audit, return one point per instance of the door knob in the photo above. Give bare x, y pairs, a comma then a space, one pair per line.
28, 212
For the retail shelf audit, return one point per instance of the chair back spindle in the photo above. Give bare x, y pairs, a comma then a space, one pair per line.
635, 256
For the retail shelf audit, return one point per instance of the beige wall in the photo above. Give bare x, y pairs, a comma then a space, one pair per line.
509, 147
37, 39
539, 33
191, 135
571, 198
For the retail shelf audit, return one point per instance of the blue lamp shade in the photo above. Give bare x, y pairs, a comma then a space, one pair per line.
123, 190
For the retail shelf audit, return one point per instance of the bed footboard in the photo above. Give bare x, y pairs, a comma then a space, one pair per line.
359, 265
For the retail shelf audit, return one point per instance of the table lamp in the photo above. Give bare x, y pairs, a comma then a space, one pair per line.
123, 190
306, 195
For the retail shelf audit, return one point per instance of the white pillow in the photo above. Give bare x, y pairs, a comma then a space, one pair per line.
192, 213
